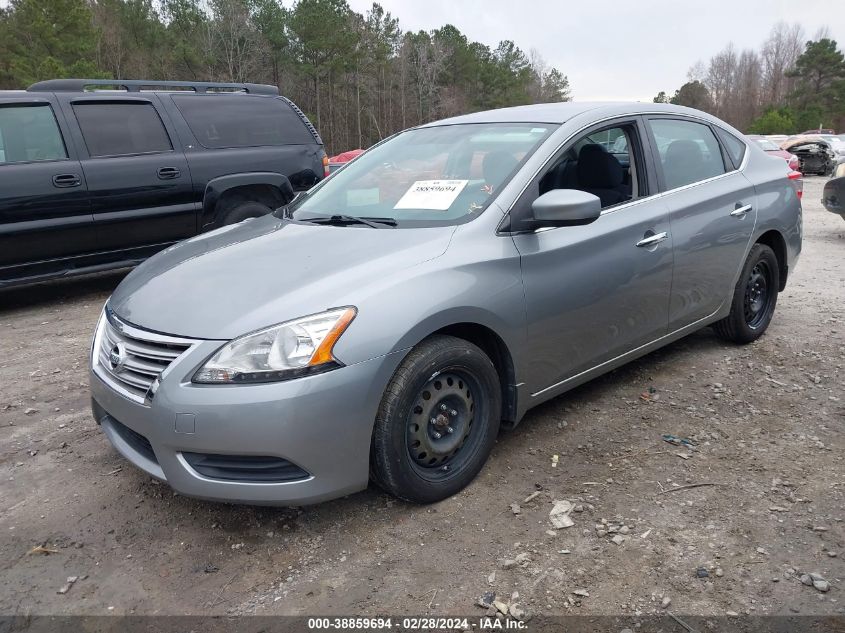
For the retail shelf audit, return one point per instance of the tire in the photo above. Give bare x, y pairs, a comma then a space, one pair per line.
414, 454
754, 298
245, 210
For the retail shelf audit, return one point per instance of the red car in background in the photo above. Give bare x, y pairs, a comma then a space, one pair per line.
771, 148
336, 162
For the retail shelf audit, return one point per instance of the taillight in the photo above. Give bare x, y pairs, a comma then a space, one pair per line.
325, 166
796, 178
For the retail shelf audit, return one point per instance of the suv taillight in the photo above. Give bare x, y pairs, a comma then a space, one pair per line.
325, 165
796, 178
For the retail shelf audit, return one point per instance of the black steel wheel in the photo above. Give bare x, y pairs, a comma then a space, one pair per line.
438, 421
754, 298
758, 295
440, 433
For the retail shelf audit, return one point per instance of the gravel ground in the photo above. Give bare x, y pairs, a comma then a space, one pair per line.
767, 422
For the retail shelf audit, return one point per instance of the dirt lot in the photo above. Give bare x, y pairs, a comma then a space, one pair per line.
767, 420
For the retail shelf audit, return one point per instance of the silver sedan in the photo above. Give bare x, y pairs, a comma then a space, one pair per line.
383, 326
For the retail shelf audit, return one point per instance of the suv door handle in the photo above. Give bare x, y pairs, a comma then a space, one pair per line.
168, 173
66, 180
653, 239
741, 210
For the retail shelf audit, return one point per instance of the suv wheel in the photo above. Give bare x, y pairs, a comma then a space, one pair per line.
437, 422
754, 298
244, 211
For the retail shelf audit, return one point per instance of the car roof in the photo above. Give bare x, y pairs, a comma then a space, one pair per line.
563, 112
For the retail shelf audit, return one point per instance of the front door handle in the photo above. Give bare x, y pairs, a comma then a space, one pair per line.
653, 239
66, 180
168, 173
740, 210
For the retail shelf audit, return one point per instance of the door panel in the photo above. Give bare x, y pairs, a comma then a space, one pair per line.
140, 186
713, 209
710, 239
591, 293
134, 206
44, 207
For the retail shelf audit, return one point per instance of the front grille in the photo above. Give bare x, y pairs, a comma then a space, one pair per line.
137, 441
131, 359
245, 468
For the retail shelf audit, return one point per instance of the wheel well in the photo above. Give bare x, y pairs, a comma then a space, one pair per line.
492, 345
268, 195
774, 240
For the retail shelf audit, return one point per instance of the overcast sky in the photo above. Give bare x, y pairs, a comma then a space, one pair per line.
610, 49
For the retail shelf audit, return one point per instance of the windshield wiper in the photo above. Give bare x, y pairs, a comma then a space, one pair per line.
342, 220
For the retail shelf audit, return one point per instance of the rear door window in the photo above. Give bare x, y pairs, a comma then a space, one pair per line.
29, 133
688, 151
223, 121
120, 129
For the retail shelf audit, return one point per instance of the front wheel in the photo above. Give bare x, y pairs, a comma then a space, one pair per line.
437, 422
754, 297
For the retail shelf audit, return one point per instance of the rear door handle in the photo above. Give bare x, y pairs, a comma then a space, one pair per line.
168, 173
741, 210
653, 239
66, 180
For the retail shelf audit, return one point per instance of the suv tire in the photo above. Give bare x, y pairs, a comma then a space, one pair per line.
244, 211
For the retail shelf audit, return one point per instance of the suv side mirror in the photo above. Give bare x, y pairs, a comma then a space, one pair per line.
565, 207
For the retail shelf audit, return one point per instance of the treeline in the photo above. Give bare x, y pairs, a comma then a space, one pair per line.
791, 84
359, 77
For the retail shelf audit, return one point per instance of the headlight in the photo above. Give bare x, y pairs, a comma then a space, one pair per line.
288, 350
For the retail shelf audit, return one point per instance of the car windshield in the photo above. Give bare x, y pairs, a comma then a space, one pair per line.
767, 145
426, 176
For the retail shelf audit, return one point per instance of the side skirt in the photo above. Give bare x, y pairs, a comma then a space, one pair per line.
563, 386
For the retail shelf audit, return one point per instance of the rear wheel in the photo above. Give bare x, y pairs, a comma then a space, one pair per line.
437, 422
754, 298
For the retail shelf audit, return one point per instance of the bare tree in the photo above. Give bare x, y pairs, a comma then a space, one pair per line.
236, 38
746, 103
783, 46
721, 80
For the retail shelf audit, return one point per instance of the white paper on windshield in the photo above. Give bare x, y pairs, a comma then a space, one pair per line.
437, 195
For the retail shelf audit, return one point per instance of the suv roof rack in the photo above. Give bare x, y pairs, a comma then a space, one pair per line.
136, 85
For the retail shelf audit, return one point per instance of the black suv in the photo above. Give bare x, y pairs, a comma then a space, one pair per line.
101, 174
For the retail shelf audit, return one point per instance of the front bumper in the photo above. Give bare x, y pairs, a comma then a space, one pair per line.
322, 424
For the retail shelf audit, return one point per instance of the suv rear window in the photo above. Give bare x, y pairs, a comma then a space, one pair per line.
29, 133
118, 129
221, 121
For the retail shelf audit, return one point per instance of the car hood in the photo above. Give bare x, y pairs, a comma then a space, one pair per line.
248, 276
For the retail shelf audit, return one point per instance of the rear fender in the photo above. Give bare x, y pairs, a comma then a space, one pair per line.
216, 188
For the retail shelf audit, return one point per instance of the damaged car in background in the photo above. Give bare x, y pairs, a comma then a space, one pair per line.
815, 155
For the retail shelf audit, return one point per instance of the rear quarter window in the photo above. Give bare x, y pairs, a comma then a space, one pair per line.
225, 121
734, 147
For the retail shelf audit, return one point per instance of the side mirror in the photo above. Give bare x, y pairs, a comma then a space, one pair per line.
565, 207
